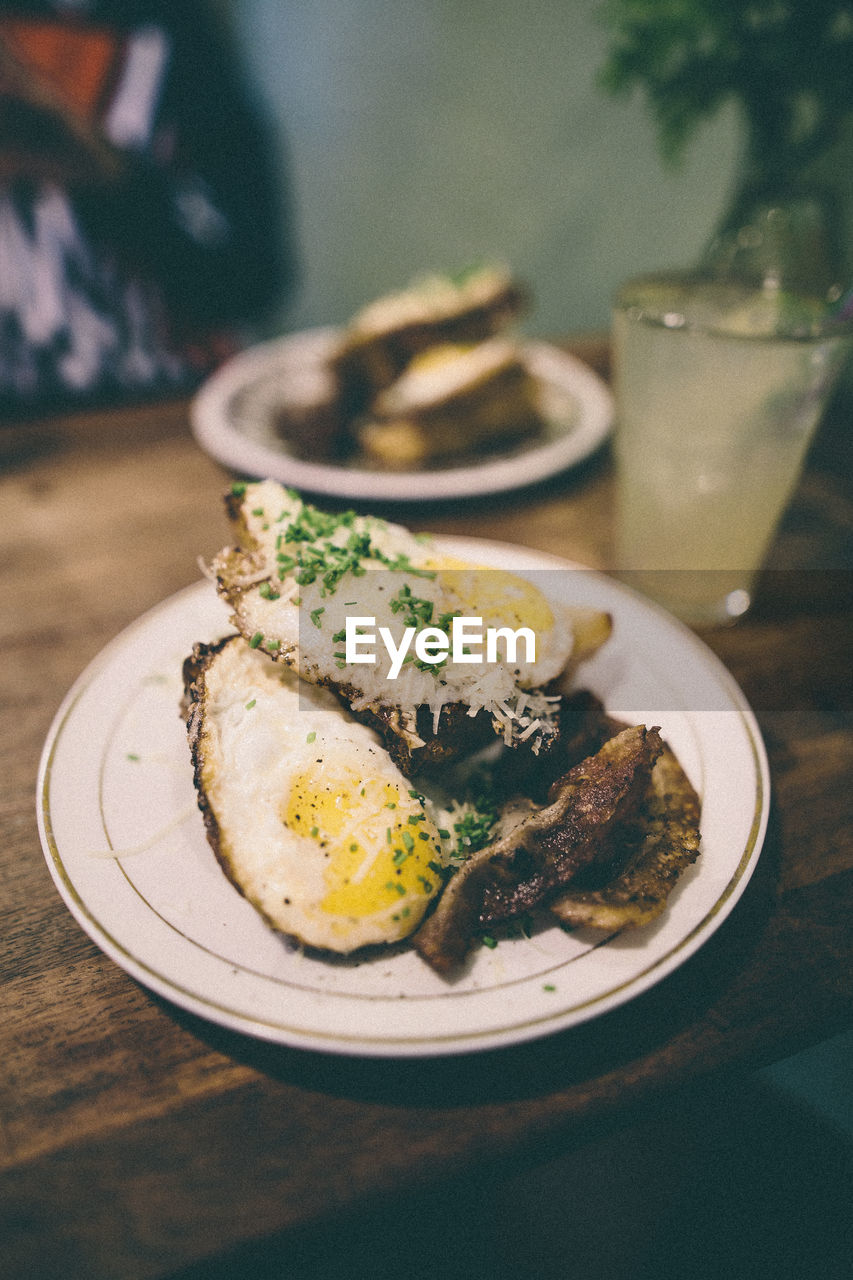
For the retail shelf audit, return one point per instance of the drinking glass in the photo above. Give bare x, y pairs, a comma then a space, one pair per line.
719, 388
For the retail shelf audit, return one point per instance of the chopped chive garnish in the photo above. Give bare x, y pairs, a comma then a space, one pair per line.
238, 490
315, 616
423, 835
315, 831
489, 941
407, 840
256, 639
311, 736
249, 705
548, 986
445, 835
131, 755
400, 857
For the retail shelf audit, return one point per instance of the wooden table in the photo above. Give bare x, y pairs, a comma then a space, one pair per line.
138, 1139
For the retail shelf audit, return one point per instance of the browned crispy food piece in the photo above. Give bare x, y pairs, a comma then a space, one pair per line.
451, 401
192, 707
383, 337
545, 850
666, 840
409, 737
583, 727
587, 806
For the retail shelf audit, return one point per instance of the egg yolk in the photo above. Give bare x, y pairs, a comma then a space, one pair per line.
498, 597
380, 846
441, 353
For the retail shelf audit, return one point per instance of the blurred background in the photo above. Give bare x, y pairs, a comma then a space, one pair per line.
234, 169
426, 135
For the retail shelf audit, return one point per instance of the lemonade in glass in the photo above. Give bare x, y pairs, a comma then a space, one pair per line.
719, 389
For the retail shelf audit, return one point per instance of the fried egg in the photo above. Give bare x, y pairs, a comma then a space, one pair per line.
308, 815
300, 573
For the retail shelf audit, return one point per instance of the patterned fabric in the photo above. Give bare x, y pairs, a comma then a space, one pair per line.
141, 225
71, 322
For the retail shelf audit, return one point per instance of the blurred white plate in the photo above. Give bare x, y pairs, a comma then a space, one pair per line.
233, 419
124, 841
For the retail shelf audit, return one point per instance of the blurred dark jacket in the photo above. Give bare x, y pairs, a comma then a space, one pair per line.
143, 221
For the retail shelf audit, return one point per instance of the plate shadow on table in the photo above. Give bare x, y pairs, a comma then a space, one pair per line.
733, 1182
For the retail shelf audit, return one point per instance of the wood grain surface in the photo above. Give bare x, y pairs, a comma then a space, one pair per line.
138, 1139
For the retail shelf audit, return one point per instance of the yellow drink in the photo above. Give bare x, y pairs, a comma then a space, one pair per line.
718, 394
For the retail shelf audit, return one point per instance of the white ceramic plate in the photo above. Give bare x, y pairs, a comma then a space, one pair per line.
233, 418
125, 844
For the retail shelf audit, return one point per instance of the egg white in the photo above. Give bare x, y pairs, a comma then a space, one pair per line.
310, 817
302, 621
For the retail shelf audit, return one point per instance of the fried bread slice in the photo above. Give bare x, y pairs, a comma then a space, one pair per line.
297, 574
454, 399
380, 341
